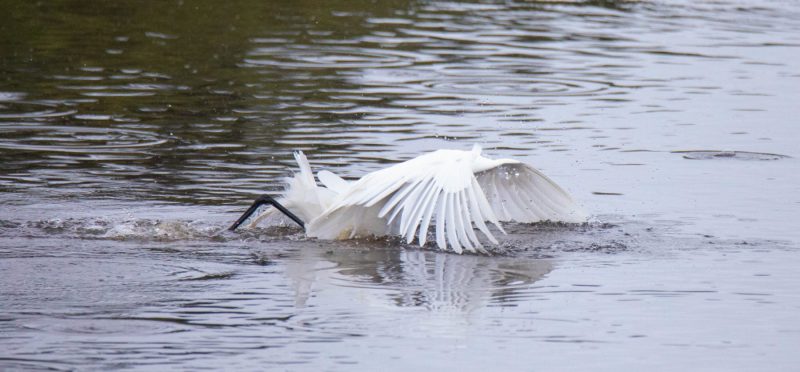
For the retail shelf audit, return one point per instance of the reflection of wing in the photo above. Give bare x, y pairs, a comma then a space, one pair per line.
464, 283
417, 278
519, 192
445, 282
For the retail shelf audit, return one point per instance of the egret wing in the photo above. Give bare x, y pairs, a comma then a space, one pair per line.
519, 192
436, 189
332, 181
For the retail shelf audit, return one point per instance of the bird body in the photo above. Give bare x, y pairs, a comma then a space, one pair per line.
448, 190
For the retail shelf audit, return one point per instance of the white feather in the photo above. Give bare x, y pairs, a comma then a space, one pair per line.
333, 182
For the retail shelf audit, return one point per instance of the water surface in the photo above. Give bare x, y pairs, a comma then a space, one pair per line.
133, 134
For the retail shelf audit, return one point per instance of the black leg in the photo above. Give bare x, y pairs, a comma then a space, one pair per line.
261, 200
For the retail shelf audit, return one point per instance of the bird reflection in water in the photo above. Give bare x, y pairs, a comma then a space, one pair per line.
397, 277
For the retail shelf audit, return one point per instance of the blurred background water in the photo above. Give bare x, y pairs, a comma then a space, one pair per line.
132, 133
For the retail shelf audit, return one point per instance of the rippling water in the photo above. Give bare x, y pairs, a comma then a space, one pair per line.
133, 134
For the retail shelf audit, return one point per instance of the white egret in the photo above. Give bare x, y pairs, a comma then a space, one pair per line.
453, 191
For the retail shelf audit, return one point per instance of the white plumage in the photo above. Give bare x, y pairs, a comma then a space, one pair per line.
453, 192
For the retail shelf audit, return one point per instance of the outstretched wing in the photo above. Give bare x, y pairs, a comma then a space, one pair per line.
440, 189
406, 199
519, 192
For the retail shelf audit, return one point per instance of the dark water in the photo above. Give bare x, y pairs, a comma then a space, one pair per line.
132, 133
